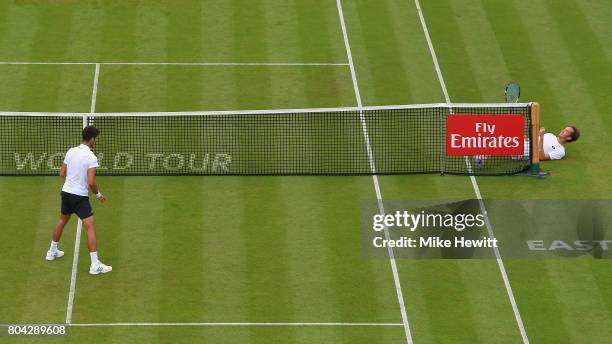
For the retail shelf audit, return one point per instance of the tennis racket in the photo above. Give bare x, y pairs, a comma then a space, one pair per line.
513, 92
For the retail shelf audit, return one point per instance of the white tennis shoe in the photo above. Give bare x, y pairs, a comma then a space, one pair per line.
100, 269
53, 255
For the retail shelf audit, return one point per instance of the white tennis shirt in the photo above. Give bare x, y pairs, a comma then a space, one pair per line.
552, 147
78, 160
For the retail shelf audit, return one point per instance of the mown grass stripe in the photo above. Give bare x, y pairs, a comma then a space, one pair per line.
361, 286
225, 279
249, 20
444, 30
13, 88
23, 21
51, 38
598, 14
130, 242
587, 318
543, 313
266, 249
416, 65
26, 234
331, 89
220, 87
116, 97
324, 295
357, 49
281, 31
596, 70
225, 254
184, 30
445, 303
149, 83
5, 9
336, 88
182, 269
313, 294
16, 37
119, 32
113, 217
85, 38
376, 33
151, 35
46, 43
254, 88
41, 276
488, 301
421, 326
217, 36
316, 46
483, 52
603, 280
265, 236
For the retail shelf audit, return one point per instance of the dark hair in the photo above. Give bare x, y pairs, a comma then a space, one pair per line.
90, 132
575, 135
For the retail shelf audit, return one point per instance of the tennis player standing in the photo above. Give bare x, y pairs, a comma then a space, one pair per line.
79, 171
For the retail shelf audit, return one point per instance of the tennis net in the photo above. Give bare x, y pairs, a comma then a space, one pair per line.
334, 141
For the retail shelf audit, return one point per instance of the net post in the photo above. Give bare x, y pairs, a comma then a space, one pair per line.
535, 170
535, 133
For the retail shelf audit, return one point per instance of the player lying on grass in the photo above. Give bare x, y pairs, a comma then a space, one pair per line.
79, 171
551, 147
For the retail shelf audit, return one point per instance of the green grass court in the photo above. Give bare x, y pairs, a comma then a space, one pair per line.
287, 249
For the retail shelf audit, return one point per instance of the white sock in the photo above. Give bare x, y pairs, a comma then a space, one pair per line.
53, 246
94, 258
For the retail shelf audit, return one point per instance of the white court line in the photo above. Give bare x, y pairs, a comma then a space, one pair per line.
237, 324
263, 64
77, 241
94, 93
500, 262
75, 262
396, 280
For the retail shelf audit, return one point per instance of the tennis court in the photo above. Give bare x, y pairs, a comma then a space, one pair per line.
258, 259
